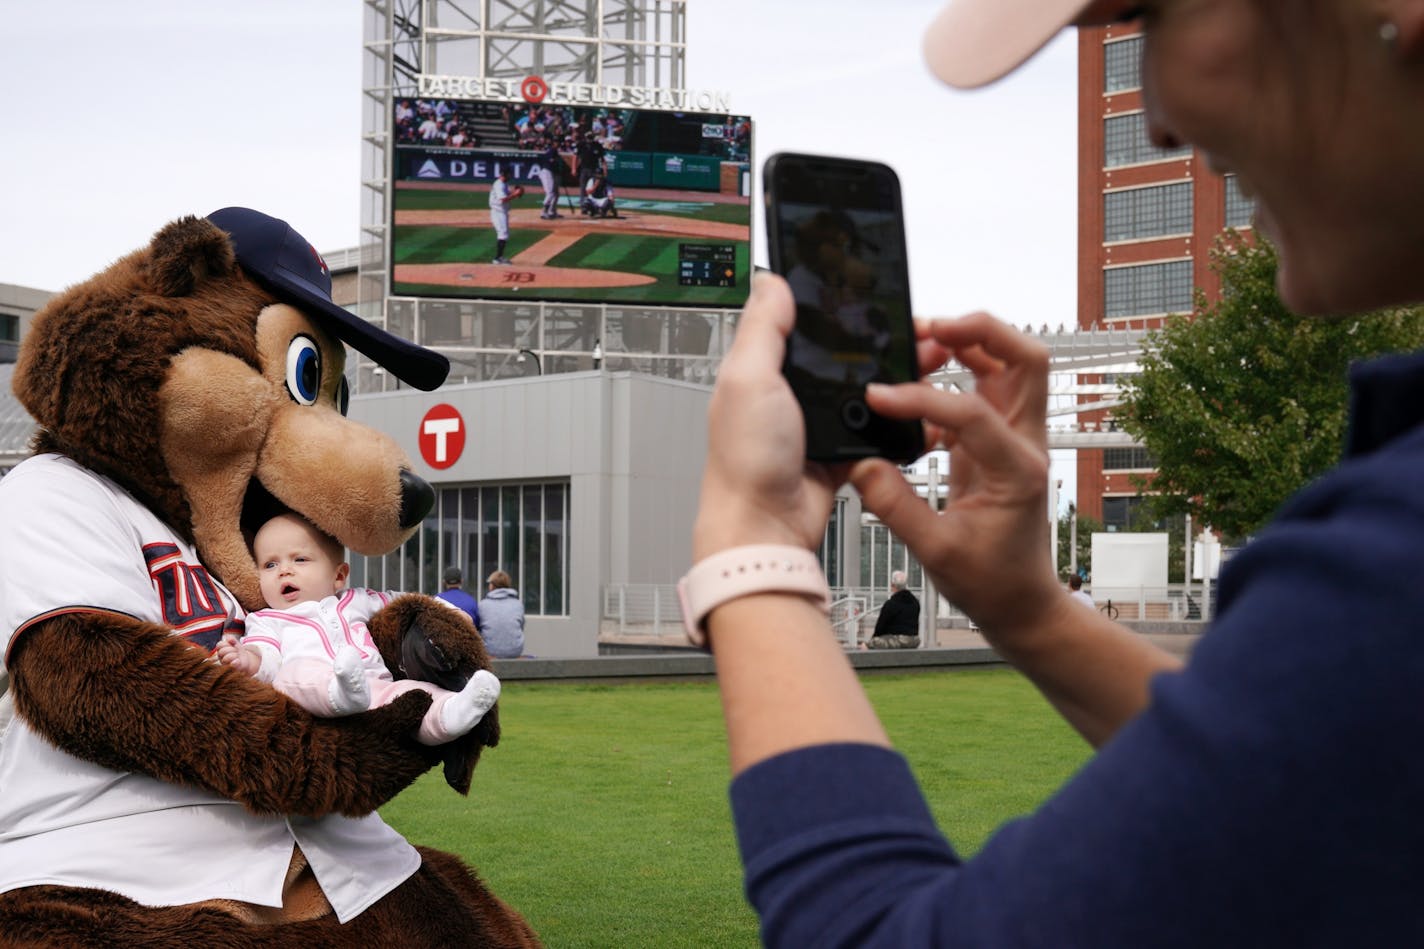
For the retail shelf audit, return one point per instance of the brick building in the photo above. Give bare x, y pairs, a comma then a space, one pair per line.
1147, 218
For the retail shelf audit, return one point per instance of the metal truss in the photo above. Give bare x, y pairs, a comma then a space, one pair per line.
1072, 352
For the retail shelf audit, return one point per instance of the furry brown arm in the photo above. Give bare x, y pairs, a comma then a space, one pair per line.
452, 643
130, 696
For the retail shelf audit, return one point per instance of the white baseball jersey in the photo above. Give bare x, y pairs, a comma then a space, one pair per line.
75, 541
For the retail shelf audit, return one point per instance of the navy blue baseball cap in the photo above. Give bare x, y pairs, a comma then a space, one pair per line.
286, 263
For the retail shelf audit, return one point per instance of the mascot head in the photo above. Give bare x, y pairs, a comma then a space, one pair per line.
204, 374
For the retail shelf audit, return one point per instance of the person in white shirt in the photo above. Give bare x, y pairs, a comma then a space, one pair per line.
1075, 590
313, 645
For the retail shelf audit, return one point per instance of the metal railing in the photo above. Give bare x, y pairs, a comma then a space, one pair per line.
650, 610
641, 609
1172, 603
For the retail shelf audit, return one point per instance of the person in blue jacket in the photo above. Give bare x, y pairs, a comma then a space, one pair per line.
454, 594
1269, 791
503, 613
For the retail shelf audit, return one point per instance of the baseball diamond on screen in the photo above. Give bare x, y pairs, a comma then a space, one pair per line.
516, 201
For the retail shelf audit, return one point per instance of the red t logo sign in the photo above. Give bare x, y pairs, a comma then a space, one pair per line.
441, 436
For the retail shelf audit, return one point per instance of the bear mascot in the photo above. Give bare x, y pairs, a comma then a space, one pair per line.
149, 795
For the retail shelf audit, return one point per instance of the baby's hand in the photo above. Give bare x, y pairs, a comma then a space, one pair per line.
241, 658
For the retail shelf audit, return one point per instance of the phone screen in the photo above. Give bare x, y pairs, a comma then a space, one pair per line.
836, 234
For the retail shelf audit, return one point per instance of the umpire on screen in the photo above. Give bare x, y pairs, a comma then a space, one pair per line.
588, 159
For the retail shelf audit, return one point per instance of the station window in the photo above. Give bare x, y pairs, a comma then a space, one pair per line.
881, 554
1125, 142
1147, 289
9, 328
1122, 64
830, 552
1139, 213
522, 529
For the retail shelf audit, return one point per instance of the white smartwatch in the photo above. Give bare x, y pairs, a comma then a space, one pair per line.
742, 571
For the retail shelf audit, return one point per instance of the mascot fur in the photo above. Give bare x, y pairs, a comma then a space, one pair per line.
148, 795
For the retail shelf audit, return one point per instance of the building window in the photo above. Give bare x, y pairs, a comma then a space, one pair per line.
9, 328
1239, 208
1127, 459
522, 529
1119, 514
1125, 142
1139, 213
881, 554
1147, 289
1122, 64
830, 552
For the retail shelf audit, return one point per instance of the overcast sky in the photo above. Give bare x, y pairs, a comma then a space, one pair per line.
133, 113
139, 112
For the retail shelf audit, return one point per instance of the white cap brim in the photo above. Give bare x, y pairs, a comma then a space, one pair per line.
973, 42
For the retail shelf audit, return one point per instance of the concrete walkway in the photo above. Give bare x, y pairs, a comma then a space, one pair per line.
670, 657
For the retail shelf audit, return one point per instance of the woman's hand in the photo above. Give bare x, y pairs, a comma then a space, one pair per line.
988, 552
784, 679
757, 487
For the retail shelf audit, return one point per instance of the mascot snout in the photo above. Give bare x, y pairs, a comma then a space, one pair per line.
417, 498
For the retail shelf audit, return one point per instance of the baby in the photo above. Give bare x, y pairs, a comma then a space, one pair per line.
312, 643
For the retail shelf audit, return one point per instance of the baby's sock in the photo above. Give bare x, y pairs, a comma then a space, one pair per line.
348, 691
465, 708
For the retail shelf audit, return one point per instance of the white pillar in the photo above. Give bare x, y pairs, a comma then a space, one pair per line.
929, 596
1056, 486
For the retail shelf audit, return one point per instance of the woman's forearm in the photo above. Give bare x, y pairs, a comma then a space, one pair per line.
785, 681
1093, 671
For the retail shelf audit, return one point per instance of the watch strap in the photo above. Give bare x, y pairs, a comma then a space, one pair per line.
743, 571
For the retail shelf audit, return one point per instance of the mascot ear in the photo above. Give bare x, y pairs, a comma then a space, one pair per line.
186, 253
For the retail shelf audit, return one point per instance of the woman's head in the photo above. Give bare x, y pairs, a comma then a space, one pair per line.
499, 580
1316, 106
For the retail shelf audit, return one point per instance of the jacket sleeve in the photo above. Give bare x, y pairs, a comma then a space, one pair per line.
1270, 774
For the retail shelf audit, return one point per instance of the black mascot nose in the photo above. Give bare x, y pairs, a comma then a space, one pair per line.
417, 499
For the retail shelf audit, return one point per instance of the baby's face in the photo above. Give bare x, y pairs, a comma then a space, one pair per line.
294, 563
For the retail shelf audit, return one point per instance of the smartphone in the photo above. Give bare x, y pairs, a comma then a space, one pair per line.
836, 233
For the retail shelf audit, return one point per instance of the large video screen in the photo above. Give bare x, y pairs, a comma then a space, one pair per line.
618, 205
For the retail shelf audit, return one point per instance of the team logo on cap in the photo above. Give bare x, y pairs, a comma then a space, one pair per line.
321, 262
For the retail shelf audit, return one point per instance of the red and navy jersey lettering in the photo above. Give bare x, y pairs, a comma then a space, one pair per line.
191, 602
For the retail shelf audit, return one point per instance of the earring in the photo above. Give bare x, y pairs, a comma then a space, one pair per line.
1388, 33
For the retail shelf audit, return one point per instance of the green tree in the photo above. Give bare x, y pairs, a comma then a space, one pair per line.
1243, 403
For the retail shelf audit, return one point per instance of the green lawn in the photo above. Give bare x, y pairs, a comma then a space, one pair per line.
603, 816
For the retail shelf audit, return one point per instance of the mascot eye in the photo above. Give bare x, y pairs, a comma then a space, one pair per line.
303, 370
343, 396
